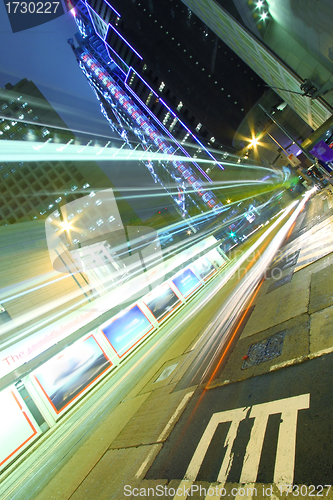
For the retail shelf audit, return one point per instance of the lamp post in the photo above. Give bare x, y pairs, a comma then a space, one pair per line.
308, 155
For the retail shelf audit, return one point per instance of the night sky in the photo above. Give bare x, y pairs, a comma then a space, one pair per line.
43, 55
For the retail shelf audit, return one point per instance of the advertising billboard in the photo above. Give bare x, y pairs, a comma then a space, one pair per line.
215, 257
17, 426
161, 301
186, 282
68, 374
126, 330
203, 267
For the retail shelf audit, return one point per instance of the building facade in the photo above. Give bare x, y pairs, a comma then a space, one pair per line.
139, 114
33, 190
288, 44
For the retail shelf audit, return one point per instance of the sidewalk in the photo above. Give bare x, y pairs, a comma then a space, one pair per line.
293, 314
296, 310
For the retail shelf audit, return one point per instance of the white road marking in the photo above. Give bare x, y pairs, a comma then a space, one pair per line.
286, 443
214, 486
286, 446
235, 416
184, 486
141, 470
175, 415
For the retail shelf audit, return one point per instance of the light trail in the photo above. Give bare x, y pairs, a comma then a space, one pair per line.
15, 151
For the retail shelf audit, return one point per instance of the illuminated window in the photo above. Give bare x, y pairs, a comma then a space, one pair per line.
150, 95
166, 118
161, 87
185, 138
198, 127
180, 105
86, 186
173, 123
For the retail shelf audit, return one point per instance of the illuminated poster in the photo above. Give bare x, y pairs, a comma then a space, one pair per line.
67, 375
161, 301
216, 258
186, 282
204, 268
127, 330
17, 426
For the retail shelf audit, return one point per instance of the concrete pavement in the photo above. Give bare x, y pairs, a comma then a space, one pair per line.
298, 305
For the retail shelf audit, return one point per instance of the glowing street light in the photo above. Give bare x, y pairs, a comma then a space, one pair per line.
67, 226
253, 142
259, 4
264, 16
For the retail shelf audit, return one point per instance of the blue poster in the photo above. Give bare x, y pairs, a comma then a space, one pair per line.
203, 267
127, 330
65, 376
186, 282
161, 301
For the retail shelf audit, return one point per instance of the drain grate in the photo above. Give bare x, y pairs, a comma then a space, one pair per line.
264, 350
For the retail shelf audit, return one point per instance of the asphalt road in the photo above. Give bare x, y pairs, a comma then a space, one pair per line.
297, 422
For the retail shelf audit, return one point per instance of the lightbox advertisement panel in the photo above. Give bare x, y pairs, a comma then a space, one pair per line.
126, 330
216, 258
186, 282
17, 426
67, 375
161, 301
204, 268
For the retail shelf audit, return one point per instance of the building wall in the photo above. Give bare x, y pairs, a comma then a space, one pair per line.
36, 291
302, 47
32, 190
308, 22
264, 61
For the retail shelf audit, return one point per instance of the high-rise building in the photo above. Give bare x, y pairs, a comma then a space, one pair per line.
147, 104
288, 44
32, 190
205, 84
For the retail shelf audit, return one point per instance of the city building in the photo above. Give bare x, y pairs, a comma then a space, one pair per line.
288, 44
143, 119
149, 104
33, 190
205, 84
